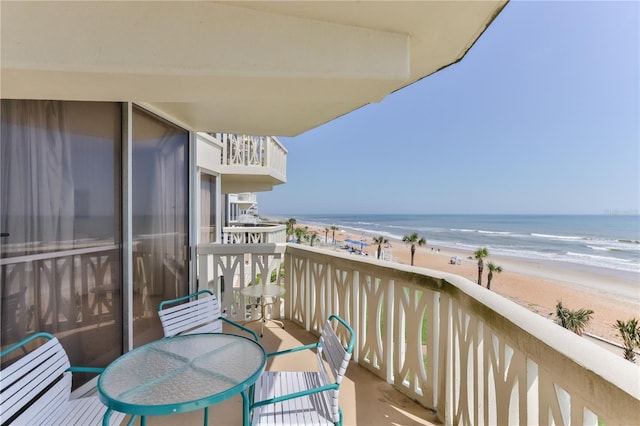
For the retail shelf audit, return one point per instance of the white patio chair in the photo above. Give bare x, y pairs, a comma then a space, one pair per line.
191, 314
310, 397
194, 314
35, 389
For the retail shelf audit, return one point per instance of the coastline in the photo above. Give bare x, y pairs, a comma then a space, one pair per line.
536, 285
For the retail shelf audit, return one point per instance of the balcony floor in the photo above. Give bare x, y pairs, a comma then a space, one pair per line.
364, 398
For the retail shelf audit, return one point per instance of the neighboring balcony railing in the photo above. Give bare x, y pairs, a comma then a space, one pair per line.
469, 354
247, 150
254, 234
248, 197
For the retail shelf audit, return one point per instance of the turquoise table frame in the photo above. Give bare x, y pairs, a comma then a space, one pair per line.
180, 374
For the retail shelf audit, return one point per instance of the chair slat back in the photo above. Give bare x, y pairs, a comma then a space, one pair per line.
196, 316
46, 407
335, 354
337, 357
25, 379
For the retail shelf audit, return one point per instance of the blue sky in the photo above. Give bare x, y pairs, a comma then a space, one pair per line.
541, 116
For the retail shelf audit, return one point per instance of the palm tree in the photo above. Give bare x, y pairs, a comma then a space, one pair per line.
414, 239
480, 254
575, 321
300, 234
630, 333
312, 237
333, 233
326, 233
290, 230
379, 241
492, 268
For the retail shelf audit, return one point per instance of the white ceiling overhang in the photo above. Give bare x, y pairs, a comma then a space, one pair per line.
267, 68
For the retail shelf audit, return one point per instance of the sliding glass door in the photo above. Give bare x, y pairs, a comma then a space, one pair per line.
60, 250
160, 219
61, 210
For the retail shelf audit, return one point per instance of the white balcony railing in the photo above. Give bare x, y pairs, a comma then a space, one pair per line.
247, 197
469, 354
247, 150
254, 234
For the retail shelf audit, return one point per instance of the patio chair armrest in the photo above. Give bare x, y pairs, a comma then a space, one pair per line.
352, 334
245, 329
22, 343
296, 349
183, 298
96, 370
324, 388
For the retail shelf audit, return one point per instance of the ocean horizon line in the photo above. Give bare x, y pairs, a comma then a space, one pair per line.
603, 241
292, 215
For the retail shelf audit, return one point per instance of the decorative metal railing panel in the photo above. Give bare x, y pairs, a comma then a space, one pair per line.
473, 356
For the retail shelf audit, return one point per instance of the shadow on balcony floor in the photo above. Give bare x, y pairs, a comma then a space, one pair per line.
364, 398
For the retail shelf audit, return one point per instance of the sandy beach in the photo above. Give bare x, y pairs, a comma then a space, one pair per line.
538, 286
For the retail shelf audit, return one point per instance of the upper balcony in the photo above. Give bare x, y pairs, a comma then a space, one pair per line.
246, 163
251, 163
464, 353
246, 198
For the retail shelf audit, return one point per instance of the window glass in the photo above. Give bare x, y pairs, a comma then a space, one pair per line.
160, 219
60, 249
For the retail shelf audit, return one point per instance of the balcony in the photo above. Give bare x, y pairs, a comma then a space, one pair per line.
251, 163
364, 398
459, 351
247, 198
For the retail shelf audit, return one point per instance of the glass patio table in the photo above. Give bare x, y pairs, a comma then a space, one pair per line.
182, 373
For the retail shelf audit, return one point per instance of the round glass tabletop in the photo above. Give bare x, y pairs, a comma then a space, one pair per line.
181, 373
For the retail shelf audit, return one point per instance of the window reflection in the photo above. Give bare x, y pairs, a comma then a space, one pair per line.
160, 214
60, 250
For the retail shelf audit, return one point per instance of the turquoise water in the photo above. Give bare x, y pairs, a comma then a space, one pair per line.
600, 241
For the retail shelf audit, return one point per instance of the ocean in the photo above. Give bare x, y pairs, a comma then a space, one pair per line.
602, 241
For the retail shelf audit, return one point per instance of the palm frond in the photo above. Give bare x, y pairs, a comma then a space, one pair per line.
630, 334
573, 320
